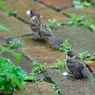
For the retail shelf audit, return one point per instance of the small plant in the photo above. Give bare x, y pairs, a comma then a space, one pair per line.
87, 62
60, 64
2, 27
80, 5
84, 55
65, 46
53, 24
11, 12
89, 25
8, 11
38, 68
92, 57
74, 20
57, 90
15, 43
10, 75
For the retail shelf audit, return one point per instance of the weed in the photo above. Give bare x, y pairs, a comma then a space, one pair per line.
84, 54
78, 20
15, 43
74, 20
87, 62
2, 27
56, 88
38, 68
10, 75
11, 11
53, 24
92, 57
8, 11
89, 25
60, 64
65, 46
80, 5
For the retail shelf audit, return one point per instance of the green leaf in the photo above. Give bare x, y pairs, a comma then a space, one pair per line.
84, 54
78, 4
92, 27
38, 68
23, 75
32, 78
16, 55
2, 5
2, 27
2, 80
87, 4
9, 70
9, 88
92, 57
65, 46
11, 11
87, 62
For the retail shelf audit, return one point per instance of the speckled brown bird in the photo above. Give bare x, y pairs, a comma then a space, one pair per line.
76, 66
41, 29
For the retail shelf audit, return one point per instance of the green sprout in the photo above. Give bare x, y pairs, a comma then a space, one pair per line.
15, 43
2, 27
84, 54
65, 46
11, 12
87, 62
74, 20
38, 68
89, 25
8, 11
53, 24
57, 89
80, 5
92, 57
60, 65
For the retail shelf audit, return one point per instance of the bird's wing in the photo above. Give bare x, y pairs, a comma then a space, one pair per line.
40, 26
75, 67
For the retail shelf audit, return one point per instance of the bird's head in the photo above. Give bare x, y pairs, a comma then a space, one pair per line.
71, 53
34, 14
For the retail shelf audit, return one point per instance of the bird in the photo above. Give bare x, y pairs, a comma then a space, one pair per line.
75, 65
41, 29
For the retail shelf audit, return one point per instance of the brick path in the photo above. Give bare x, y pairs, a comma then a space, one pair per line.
80, 38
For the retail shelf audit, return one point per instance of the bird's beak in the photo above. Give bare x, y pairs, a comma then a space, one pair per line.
28, 12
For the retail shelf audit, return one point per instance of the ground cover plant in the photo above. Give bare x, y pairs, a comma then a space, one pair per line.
79, 4
80, 20
15, 43
57, 89
65, 46
11, 76
53, 23
60, 64
10, 12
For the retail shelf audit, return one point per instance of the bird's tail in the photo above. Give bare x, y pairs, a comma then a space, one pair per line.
88, 74
54, 42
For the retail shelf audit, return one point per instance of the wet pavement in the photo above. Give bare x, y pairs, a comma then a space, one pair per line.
80, 37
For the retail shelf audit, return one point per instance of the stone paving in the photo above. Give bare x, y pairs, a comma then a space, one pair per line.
79, 37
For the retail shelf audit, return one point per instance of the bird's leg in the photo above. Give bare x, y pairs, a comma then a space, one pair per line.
35, 36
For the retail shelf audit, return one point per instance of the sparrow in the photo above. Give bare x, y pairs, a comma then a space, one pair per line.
41, 29
76, 66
